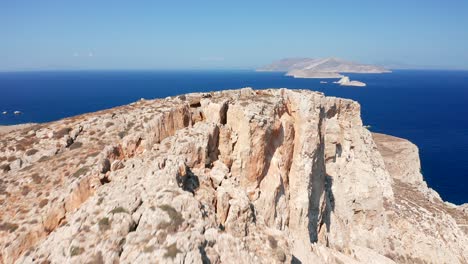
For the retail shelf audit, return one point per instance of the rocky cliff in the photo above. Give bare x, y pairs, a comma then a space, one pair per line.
241, 176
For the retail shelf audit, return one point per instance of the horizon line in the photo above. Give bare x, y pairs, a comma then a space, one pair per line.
197, 69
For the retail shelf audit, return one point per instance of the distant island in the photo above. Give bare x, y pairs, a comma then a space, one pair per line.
345, 81
323, 68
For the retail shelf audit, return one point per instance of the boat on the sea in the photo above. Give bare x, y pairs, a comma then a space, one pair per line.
17, 112
4, 112
323, 82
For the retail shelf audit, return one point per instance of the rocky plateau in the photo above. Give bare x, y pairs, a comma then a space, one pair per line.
238, 176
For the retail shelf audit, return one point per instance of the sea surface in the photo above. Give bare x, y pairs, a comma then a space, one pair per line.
430, 108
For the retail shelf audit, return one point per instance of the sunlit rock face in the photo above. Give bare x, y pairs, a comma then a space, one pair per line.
239, 176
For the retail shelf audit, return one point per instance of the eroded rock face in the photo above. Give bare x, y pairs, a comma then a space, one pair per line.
241, 176
418, 211
401, 158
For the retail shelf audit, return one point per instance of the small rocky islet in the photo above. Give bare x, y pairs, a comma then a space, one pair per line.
238, 176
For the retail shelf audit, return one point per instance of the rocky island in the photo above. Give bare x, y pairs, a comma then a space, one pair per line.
345, 81
326, 68
239, 176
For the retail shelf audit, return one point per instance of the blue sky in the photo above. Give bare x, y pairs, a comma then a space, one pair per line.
174, 34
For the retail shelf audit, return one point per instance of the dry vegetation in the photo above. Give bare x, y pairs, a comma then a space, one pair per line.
104, 224
62, 132
176, 218
172, 251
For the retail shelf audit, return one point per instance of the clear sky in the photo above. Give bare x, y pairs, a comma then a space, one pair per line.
174, 34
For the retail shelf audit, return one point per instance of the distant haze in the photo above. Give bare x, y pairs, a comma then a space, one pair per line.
64, 35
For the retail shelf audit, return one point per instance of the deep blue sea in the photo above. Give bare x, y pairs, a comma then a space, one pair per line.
430, 108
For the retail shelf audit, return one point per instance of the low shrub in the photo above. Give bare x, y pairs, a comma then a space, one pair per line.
176, 218
10, 227
148, 249
43, 158
118, 210
5, 168
172, 251
122, 134
36, 178
104, 224
43, 203
62, 132
100, 200
81, 171
25, 190
272, 241
76, 145
75, 251
31, 152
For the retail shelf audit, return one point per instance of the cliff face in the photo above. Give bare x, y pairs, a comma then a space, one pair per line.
238, 176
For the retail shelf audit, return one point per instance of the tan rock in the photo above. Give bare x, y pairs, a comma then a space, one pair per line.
401, 158
241, 176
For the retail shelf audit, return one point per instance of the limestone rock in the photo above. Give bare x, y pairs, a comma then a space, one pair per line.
401, 158
239, 176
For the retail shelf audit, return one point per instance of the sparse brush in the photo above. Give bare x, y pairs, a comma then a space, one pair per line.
176, 218
172, 251
104, 224
118, 210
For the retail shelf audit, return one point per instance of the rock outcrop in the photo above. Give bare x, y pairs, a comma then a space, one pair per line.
240, 176
345, 81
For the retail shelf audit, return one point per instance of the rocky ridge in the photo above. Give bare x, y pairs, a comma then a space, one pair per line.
241, 176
